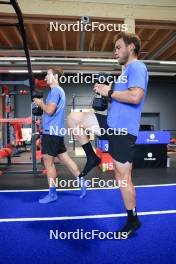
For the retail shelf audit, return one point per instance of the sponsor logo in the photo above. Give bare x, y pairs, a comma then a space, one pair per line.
150, 156
152, 138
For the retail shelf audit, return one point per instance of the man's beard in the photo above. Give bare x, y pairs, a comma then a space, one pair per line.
123, 60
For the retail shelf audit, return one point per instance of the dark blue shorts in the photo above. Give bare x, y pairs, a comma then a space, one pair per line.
52, 145
121, 147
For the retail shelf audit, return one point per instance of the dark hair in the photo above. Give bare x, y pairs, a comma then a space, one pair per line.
56, 70
129, 38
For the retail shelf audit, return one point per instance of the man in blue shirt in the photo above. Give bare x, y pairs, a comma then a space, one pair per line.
121, 123
53, 131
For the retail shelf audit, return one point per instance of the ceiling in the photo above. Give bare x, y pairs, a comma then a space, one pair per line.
158, 43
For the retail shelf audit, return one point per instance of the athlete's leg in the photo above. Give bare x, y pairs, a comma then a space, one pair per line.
81, 123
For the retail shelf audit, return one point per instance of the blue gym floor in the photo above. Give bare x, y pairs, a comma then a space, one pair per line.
25, 227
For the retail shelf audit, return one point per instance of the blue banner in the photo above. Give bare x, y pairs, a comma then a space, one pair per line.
153, 137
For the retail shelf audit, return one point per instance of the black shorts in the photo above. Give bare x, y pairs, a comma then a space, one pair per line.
52, 145
121, 147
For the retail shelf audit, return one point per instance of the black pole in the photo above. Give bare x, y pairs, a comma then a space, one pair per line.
7, 126
30, 74
25, 43
73, 107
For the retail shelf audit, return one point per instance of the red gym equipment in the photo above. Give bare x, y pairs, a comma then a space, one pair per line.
106, 160
16, 123
5, 152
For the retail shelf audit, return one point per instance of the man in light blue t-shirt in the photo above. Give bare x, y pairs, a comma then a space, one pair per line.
53, 134
128, 114
121, 123
54, 124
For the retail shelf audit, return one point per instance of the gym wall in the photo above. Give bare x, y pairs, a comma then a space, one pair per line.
160, 99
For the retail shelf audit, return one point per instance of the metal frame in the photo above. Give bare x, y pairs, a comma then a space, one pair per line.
21, 28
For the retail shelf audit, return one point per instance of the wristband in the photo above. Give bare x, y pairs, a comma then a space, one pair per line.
110, 93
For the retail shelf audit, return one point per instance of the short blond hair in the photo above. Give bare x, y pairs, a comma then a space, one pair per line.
56, 70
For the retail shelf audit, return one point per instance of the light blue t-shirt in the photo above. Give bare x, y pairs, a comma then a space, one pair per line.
125, 115
54, 124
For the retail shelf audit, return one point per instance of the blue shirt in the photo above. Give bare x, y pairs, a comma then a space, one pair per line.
125, 115
54, 124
